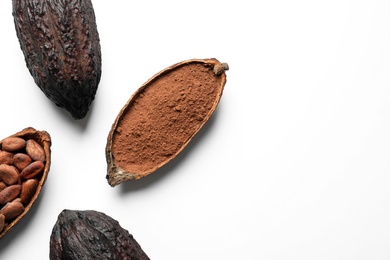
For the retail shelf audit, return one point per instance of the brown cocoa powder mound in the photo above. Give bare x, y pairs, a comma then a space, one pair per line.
164, 116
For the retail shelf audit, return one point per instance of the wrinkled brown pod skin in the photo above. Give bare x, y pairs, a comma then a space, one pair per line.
60, 43
162, 117
89, 234
42, 138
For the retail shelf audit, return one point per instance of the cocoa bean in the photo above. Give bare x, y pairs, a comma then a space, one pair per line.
21, 161
9, 174
2, 222
12, 209
17, 200
6, 157
11, 144
35, 151
10, 193
32, 170
2, 185
29, 188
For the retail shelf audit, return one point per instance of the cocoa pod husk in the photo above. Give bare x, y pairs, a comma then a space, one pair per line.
89, 234
61, 46
14, 211
162, 117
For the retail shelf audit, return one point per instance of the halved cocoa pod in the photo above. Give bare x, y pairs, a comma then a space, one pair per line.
15, 211
162, 117
61, 46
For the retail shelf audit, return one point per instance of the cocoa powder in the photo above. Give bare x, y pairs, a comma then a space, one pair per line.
164, 115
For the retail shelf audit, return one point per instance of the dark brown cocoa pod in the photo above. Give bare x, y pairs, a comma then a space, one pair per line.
61, 46
91, 234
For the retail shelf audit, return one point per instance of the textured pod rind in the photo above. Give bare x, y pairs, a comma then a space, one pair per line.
43, 139
89, 234
61, 46
203, 71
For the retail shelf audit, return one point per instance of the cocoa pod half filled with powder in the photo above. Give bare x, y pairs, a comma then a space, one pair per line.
162, 117
61, 46
89, 234
25, 159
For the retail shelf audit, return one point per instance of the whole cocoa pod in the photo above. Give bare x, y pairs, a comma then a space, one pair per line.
91, 234
61, 46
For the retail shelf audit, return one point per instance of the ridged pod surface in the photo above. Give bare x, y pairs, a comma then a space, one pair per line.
61, 46
89, 234
43, 139
162, 117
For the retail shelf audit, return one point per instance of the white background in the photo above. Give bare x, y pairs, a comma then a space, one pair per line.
294, 164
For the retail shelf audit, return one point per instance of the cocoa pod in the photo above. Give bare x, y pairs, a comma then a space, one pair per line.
11, 144
32, 170
6, 157
9, 174
21, 161
10, 193
14, 210
161, 118
91, 234
29, 188
61, 46
35, 151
